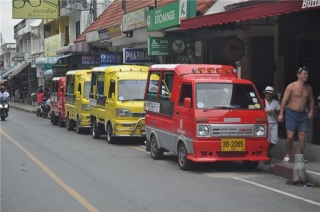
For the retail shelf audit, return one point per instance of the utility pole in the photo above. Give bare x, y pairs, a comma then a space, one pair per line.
94, 8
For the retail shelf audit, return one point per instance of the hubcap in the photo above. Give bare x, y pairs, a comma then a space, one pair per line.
182, 155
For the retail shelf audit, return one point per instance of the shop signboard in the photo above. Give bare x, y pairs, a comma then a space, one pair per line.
115, 31
32, 74
91, 60
104, 34
17, 59
134, 20
35, 9
92, 36
167, 46
170, 15
137, 56
110, 59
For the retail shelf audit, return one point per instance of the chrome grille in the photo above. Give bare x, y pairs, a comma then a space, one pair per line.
232, 130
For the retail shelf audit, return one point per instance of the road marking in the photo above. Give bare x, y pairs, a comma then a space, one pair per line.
311, 172
70, 190
278, 191
139, 148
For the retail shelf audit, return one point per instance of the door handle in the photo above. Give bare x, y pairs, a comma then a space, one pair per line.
177, 112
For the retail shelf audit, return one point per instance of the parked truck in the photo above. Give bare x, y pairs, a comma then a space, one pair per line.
116, 101
208, 115
76, 93
57, 101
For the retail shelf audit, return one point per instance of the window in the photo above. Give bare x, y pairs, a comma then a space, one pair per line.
186, 92
77, 29
112, 88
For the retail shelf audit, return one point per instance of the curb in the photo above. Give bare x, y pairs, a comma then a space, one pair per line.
25, 110
286, 171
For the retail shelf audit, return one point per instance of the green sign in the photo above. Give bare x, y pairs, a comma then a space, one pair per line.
163, 17
167, 46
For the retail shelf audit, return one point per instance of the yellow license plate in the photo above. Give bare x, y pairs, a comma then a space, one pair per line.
233, 144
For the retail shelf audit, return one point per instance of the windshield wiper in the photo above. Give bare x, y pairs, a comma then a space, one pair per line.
125, 100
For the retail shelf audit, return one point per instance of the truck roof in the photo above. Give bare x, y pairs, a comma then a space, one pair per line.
56, 78
117, 68
198, 70
73, 72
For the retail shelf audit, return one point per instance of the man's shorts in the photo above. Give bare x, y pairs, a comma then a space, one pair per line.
296, 120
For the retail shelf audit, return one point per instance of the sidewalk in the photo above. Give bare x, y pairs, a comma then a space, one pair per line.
312, 153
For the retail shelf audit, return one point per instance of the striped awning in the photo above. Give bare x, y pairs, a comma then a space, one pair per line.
81, 47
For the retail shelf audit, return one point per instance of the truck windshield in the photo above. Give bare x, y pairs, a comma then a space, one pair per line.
211, 96
131, 90
86, 89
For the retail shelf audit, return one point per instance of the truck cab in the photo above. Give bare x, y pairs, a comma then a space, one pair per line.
57, 101
76, 93
116, 101
208, 115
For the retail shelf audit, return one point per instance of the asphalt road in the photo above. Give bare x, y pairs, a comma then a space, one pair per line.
47, 168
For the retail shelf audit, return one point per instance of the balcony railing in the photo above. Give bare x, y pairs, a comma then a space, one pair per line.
8, 47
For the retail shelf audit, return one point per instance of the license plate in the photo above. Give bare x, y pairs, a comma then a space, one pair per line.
233, 144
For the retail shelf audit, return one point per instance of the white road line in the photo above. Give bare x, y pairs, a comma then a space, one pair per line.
278, 191
311, 172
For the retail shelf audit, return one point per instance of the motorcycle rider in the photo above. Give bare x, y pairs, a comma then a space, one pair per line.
4, 94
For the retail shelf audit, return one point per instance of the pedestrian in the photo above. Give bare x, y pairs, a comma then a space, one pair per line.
39, 88
272, 108
297, 96
40, 96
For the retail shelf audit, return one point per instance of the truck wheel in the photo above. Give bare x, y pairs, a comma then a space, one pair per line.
250, 165
95, 130
61, 123
69, 123
184, 163
78, 128
109, 134
155, 152
54, 119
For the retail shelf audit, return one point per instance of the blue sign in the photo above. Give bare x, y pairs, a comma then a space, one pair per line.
110, 59
137, 56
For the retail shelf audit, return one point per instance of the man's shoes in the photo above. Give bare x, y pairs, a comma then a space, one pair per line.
285, 160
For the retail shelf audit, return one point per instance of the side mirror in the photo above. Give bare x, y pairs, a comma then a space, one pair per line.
187, 102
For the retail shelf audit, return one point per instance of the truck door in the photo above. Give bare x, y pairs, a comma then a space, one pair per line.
183, 115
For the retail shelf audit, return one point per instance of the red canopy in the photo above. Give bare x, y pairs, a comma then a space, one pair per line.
241, 14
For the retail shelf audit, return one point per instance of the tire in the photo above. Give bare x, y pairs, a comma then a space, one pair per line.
95, 130
109, 134
155, 152
54, 119
60, 122
38, 112
184, 163
250, 165
79, 130
3, 116
69, 123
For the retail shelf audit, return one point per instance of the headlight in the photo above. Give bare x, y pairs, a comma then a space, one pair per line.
123, 112
1, 106
260, 130
85, 107
203, 130
5, 106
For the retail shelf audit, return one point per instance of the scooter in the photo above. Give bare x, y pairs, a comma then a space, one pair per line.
46, 112
4, 106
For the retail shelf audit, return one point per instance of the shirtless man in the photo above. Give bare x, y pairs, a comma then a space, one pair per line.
297, 96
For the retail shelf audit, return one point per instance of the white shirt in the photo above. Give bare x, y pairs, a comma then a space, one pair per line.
274, 105
4, 94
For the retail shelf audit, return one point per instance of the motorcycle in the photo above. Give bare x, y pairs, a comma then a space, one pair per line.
46, 112
43, 109
4, 106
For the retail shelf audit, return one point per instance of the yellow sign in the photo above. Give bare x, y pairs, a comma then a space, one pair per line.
35, 9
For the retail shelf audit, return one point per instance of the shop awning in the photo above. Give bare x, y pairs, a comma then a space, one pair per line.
7, 71
18, 69
247, 13
50, 60
81, 47
48, 73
